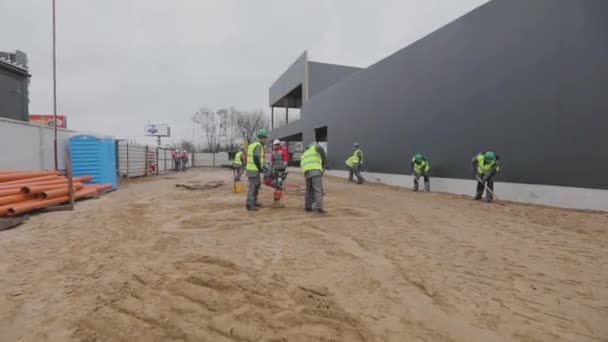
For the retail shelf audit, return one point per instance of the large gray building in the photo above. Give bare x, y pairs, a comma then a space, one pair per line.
14, 83
527, 79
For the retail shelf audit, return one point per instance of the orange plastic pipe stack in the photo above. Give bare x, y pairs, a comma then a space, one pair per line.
63, 191
25, 191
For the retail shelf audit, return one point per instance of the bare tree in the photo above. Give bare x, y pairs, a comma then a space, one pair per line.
248, 123
210, 125
223, 129
183, 145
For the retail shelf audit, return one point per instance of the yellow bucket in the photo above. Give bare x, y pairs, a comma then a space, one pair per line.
239, 188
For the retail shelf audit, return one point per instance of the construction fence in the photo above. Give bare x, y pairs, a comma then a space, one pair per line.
135, 160
28, 146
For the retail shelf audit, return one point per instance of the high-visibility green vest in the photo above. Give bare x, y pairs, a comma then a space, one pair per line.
483, 168
358, 153
238, 158
311, 160
354, 159
422, 166
351, 161
250, 164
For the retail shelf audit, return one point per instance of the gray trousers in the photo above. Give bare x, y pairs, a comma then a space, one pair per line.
313, 199
355, 170
238, 172
253, 189
427, 183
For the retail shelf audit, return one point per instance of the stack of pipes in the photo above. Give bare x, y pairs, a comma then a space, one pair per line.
25, 191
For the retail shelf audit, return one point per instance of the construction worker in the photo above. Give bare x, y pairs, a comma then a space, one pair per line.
278, 173
175, 157
420, 168
255, 167
355, 164
313, 164
238, 165
485, 166
279, 157
184, 160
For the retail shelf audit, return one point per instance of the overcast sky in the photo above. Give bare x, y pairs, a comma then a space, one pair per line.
123, 63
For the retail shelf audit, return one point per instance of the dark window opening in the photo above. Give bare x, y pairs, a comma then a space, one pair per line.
321, 134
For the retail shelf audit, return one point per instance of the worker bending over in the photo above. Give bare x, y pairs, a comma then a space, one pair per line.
355, 164
255, 167
485, 166
313, 164
420, 168
238, 165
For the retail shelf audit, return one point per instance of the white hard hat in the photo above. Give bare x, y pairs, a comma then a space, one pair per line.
276, 142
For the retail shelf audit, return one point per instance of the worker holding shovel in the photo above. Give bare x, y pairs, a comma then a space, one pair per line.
355, 164
238, 165
485, 166
420, 168
313, 165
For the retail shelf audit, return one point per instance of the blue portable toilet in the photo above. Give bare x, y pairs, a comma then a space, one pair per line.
94, 156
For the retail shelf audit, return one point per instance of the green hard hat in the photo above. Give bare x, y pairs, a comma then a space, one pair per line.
418, 156
489, 155
263, 133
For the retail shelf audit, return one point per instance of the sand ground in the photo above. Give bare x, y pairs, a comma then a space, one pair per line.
152, 262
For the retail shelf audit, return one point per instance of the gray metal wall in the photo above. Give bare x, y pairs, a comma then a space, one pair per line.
14, 98
289, 80
323, 75
527, 79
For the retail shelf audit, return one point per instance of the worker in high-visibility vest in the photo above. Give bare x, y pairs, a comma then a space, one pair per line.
485, 166
255, 166
238, 165
420, 168
312, 163
355, 164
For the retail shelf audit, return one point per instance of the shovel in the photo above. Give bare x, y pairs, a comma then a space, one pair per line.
488, 189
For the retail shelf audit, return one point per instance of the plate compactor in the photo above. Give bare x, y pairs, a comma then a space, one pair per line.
276, 180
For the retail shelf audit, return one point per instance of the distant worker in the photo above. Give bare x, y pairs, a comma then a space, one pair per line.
255, 167
176, 159
420, 168
485, 166
238, 165
355, 164
184, 160
312, 163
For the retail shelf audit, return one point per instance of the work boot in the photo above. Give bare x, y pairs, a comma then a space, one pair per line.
320, 211
415, 189
249, 208
259, 205
477, 197
427, 187
308, 210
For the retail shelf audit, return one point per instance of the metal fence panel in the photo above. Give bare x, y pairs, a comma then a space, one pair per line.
210, 159
133, 159
29, 146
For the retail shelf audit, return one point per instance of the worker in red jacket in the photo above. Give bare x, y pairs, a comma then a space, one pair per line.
278, 174
279, 156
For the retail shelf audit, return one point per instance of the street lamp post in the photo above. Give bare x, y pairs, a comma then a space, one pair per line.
195, 120
55, 91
